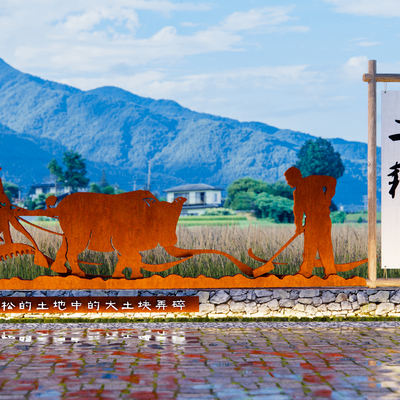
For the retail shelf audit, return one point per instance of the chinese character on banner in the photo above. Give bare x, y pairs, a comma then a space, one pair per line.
161, 304
111, 304
127, 306
144, 305
25, 305
76, 304
93, 305
395, 181
178, 304
42, 306
7, 305
60, 304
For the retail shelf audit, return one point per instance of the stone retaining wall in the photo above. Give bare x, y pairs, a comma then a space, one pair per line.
255, 303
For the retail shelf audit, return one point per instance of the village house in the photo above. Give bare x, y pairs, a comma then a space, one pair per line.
51, 188
199, 197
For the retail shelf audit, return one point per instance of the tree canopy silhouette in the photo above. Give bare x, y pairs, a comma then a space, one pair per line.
318, 157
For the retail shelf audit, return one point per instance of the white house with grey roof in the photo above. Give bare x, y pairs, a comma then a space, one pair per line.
199, 197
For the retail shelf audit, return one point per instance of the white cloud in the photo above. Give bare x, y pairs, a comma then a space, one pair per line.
372, 8
368, 44
355, 67
255, 18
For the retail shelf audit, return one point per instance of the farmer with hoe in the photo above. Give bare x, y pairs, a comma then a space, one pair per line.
312, 198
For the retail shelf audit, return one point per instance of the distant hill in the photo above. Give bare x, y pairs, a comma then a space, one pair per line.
121, 132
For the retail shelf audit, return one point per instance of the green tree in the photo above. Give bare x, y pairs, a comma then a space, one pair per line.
281, 189
95, 188
108, 190
11, 190
318, 157
278, 208
241, 193
74, 175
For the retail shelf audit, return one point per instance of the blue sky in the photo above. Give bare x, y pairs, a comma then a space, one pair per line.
291, 64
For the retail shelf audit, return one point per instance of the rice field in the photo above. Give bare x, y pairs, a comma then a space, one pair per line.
349, 242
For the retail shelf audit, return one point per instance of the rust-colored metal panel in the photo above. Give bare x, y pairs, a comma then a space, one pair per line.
146, 304
177, 282
137, 221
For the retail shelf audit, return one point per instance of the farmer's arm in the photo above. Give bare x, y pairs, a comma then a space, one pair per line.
330, 184
298, 210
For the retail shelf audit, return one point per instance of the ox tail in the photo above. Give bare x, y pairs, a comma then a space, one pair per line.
177, 252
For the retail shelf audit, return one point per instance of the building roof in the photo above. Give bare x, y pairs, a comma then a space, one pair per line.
43, 185
191, 187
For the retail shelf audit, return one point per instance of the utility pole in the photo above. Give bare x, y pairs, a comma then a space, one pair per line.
134, 186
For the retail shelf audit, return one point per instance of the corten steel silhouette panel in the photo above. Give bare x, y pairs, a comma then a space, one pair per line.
137, 221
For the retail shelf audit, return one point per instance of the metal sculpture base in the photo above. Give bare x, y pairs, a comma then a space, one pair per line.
178, 282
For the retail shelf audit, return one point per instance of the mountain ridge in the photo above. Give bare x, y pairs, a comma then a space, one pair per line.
121, 132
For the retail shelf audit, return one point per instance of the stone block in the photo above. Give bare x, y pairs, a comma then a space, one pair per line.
236, 307
22, 294
243, 297
127, 293
299, 307
352, 298
355, 305
264, 309
251, 295
286, 303
322, 308
273, 305
280, 294
346, 305
305, 300
263, 292
36, 293
238, 292
309, 293
222, 308
251, 308
362, 298
262, 300
80, 293
368, 307
334, 307
294, 294
396, 297
328, 297
203, 297
381, 297
341, 297
220, 297
206, 308
316, 301
311, 310
384, 308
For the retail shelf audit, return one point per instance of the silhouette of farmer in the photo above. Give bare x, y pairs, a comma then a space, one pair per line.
312, 197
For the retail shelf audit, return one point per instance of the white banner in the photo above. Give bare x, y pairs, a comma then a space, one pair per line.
390, 179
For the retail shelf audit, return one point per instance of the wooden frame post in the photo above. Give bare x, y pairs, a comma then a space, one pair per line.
372, 77
372, 173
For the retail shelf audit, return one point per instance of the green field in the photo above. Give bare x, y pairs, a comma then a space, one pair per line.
222, 220
354, 217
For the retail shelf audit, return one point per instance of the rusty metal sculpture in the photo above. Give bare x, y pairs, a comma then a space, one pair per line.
137, 221
312, 198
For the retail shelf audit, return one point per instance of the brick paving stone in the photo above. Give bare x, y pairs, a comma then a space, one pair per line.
207, 361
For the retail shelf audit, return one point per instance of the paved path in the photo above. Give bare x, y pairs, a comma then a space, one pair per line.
200, 361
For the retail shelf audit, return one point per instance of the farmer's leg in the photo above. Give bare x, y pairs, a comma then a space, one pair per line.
310, 252
325, 249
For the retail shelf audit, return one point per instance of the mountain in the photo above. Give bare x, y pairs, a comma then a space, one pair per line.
121, 132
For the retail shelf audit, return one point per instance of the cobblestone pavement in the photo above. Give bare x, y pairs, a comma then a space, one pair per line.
200, 361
